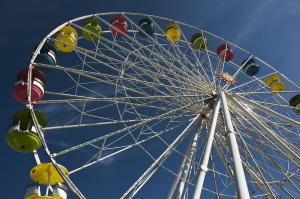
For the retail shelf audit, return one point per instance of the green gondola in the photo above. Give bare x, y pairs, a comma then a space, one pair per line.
22, 136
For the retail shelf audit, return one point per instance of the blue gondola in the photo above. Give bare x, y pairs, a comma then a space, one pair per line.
250, 67
147, 26
47, 55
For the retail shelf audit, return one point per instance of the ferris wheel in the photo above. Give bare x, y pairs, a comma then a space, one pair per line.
208, 118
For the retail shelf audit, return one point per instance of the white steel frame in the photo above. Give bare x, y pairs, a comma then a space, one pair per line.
189, 81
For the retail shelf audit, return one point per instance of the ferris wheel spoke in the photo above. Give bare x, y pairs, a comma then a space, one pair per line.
109, 146
174, 68
148, 127
153, 52
107, 99
163, 73
103, 123
179, 75
147, 130
61, 173
270, 158
256, 89
207, 53
259, 179
218, 143
255, 79
222, 149
272, 122
98, 160
266, 92
261, 143
88, 90
196, 58
213, 166
268, 65
280, 171
122, 130
247, 168
275, 105
280, 126
268, 111
159, 161
238, 71
132, 106
265, 164
165, 50
36, 157
145, 72
186, 59
157, 61
152, 87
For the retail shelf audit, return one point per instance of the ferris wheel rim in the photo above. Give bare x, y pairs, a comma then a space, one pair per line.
87, 16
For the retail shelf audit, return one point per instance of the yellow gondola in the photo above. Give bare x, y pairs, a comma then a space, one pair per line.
274, 82
40, 197
46, 174
66, 40
172, 32
59, 191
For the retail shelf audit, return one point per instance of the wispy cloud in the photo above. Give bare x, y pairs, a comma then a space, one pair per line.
293, 7
255, 20
108, 160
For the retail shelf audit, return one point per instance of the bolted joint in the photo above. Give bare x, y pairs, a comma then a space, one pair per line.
231, 131
203, 168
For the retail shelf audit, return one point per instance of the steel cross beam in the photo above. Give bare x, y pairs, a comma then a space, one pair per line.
240, 179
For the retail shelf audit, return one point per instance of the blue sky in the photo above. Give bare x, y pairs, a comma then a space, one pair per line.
269, 29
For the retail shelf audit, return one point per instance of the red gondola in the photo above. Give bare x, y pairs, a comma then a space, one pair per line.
118, 26
37, 86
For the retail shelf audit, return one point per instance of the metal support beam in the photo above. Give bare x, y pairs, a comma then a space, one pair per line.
187, 163
177, 178
240, 179
205, 159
